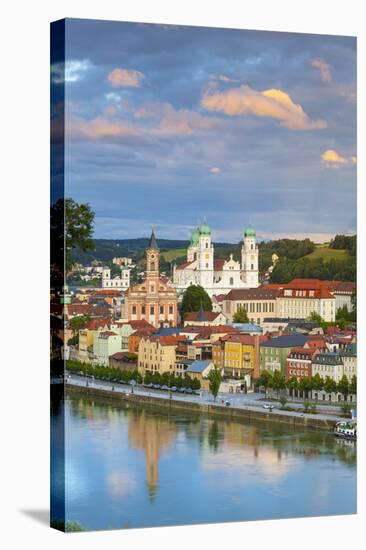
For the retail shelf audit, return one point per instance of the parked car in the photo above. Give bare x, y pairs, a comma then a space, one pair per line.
227, 403
173, 388
268, 406
164, 387
156, 386
189, 390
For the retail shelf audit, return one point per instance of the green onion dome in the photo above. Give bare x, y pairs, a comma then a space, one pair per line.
249, 231
204, 229
195, 237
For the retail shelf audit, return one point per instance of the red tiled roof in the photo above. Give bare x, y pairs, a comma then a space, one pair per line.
260, 293
345, 287
210, 315
107, 333
94, 324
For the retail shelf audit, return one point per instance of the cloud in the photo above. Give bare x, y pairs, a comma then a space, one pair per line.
71, 71
332, 159
271, 103
324, 69
98, 128
215, 170
125, 78
174, 122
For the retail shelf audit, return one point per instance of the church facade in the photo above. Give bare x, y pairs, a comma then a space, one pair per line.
217, 276
155, 299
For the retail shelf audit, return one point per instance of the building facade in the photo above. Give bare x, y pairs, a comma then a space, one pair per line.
259, 303
217, 276
157, 354
122, 282
302, 297
155, 299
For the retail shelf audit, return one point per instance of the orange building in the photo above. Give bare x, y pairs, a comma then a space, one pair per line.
154, 300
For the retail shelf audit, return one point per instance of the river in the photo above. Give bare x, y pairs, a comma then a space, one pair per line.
138, 466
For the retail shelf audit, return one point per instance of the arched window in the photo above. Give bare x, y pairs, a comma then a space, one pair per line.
231, 281
152, 266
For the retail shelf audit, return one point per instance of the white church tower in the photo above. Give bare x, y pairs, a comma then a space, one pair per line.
205, 257
249, 258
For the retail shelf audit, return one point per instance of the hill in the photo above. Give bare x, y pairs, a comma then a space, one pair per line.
327, 254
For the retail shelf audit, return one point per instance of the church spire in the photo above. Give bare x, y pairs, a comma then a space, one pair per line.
152, 243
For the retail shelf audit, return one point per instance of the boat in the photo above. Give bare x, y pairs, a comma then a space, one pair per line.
346, 429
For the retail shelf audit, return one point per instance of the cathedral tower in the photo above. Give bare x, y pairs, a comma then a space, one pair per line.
249, 258
205, 256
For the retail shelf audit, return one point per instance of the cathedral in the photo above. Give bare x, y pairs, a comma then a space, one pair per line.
217, 276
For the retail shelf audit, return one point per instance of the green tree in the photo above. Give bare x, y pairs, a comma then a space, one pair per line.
241, 316
194, 298
215, 379
330, 385
265, 380
317, 382
306, 406
305, 385
292, 384
283, 400
314, 316
278, 381
343, 386
71, 227
353, 385
79, 322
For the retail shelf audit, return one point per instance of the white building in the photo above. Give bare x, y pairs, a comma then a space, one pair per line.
302, 297
105, 343
217, 276
122, 282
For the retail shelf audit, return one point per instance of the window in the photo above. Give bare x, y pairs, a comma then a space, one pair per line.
231, 282
133, 310
142, 310
161, 310
152, 310
252, 266
206, 245
152, 288
171, 310
152, 266
206, 266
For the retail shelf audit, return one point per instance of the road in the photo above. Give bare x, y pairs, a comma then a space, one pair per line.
250, 401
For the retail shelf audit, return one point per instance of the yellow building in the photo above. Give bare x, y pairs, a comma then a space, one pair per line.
237, 354
157, 354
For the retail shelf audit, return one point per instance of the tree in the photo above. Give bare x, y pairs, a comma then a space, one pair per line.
278, 381
194, 298
353, 385
283, 400
343, 386
305, 385
317, 382
214, 378
71, 227
314, 316
241, 316
78, 322
292, 384
330, 385
265, 379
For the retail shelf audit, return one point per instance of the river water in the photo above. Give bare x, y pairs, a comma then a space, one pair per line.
139, 466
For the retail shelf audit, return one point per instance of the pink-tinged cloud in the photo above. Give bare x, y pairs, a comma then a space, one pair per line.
175, 122
215, 170
273, 103
324, 69
125, 78
332, 159
99, 128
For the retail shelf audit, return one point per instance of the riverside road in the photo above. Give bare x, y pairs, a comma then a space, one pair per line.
250, 401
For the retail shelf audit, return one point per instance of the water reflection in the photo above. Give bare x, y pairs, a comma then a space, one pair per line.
139, 466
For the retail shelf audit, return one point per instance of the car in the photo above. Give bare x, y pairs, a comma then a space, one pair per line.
268, 406
164, 387
173, 388
227, 403
189, 390
156, 386
181, 390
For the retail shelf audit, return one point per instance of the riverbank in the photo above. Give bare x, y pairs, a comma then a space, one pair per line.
208, 409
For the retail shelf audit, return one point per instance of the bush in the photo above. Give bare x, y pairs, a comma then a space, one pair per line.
283, 400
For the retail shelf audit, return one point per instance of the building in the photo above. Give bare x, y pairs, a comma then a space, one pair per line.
274, 352
299, 362
204, 318
121, 360
238, 355
105, 344
302, 297
343, 293
259, 303
86, 338
154, 300
157, 354
122, 261
122, 282
199, 370
328, 364
349, 359
217, 276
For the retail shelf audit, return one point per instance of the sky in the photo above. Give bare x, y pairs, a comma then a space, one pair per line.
171, 125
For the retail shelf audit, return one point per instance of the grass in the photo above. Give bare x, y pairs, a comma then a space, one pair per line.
327, 254
173, 254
